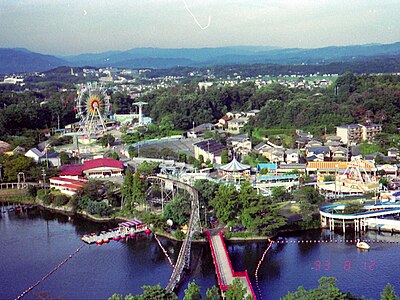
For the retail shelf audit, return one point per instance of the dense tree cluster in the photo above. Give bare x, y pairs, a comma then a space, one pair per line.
258, 214
354, 98
96, 198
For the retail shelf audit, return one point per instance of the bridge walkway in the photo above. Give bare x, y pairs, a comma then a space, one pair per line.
223, 266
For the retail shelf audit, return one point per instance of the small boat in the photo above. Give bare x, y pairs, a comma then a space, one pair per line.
116, 238
132, 235
99, 242
123, 237
106, 240
147, 231
362, 245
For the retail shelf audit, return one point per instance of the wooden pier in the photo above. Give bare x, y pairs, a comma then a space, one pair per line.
124, 230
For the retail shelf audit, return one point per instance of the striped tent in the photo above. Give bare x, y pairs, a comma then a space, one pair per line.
234, 166
130, 223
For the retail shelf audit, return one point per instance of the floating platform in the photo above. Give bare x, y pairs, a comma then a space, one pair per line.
124, 230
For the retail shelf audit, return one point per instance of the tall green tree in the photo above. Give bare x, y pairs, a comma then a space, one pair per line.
178, 210
236, 291
192, 292
213, 293
327, 289
389, 293
225, 203
138, 190
127, 188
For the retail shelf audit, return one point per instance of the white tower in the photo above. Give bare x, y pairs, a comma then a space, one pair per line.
140, 105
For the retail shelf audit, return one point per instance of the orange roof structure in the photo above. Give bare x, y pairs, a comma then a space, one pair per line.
332, 165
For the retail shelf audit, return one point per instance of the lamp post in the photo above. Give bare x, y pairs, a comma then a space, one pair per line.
205, 215
44, 177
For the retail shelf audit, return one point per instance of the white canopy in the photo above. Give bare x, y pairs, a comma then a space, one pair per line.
234, 166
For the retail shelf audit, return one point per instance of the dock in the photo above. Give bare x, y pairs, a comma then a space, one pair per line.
124, 230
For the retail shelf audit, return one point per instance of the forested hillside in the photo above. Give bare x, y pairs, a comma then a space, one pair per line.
353, 98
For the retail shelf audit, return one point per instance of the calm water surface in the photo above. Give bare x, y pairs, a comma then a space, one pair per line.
33, 244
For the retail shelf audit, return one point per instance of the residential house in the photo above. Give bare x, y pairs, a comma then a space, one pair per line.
318, 153
51, 159
240, 144
199, 131
35, 154
210, 150
223, 123
339, 153
234, 125
333, 138
314, 143
292, 156
261, 147
252, 113
18, 150
274, 154
234, 114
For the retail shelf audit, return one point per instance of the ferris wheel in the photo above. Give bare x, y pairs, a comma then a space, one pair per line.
92, 106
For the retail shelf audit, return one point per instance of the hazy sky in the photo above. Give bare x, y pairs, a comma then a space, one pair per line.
82, 26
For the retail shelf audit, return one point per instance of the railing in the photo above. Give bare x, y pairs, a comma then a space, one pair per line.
236, 274
242, 274
222, 286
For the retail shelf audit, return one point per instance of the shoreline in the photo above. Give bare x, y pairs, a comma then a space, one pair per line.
67, 211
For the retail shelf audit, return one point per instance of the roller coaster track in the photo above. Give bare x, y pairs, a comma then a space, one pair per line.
183, 261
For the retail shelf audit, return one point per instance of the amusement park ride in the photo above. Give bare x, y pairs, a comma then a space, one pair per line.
92, 107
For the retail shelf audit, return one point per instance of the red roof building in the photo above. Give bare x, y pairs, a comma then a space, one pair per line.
66, 185
95, 168
73, 177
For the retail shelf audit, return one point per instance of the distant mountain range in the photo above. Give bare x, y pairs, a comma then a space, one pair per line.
19, 60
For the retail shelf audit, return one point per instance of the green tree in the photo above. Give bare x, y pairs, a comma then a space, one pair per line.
116, 297
16, 164
192, 292
147, 168
280, 194
106, 140
327, 289
389, 293
155, 293
213, 293
178, 210
138, 190
126, 188
166, 125
309, 200
206, 190
236, 291
353, 208
64, 158
113, 155
224, 157
225, 203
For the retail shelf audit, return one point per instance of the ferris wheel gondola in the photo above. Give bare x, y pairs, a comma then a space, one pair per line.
92, 107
